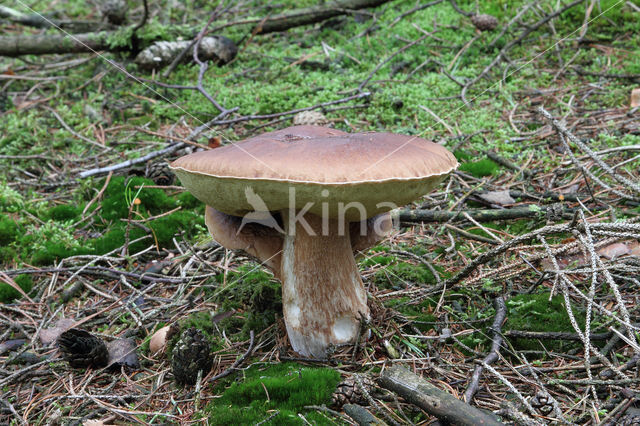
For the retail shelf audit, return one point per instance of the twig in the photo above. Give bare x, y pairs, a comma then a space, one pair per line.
560, 128
496, 342
238, 362
144, 17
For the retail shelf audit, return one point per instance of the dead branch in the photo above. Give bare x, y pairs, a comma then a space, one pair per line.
362, 416
433, 400
310, 15
238, 362
407, 217
496, 342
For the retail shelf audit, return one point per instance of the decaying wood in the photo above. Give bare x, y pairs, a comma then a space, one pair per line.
481, 215
361, 416
313, 14
433, 400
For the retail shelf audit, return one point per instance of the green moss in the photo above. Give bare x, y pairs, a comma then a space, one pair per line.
284, 387
419, 314
165, 228
480, 168
8, 293
257, 297
188, 201
8, 230
64, 212
152, 200
535, 312
403, 274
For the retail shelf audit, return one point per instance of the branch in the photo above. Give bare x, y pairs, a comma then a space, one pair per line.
238, 362
433, 400
407, 216
313, 14
496, 342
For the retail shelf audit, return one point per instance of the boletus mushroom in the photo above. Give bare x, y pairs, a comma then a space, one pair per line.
303, 200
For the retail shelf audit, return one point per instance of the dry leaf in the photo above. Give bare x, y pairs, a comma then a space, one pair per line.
159, 340
614, 251
50, 335
498, 197
122, 352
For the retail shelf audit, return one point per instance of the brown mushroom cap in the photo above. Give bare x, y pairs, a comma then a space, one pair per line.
324, 166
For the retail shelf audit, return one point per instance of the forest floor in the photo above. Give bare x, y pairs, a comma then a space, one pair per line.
514, 286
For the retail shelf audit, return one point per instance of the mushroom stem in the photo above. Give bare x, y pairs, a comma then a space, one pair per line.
323, 296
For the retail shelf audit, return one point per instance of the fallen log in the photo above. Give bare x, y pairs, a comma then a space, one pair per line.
433, 400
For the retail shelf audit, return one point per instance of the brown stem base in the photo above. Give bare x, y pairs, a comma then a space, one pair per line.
323, 296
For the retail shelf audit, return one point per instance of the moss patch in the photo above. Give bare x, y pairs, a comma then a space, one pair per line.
286, 387
9, 294
535, 312
257, 297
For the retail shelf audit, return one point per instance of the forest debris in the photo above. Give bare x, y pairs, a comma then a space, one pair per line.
191, 354
498, 197
162, 53
9, 345
122, 353
433, 400
362, 416
159, 340
481, 215
50, 335
615, 250
496, 343
484, 22
82, 349
114, 11
348, 391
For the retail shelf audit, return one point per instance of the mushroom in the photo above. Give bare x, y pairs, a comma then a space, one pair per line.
303, 200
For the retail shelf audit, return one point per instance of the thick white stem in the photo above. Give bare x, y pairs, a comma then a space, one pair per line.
323, 296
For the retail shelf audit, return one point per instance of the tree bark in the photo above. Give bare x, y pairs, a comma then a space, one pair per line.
48, 43
433, 400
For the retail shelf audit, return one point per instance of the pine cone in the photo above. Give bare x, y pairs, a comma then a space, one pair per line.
191, 354
313, 118
484, 22
82, 349
542, 403
160, 173
348, 392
